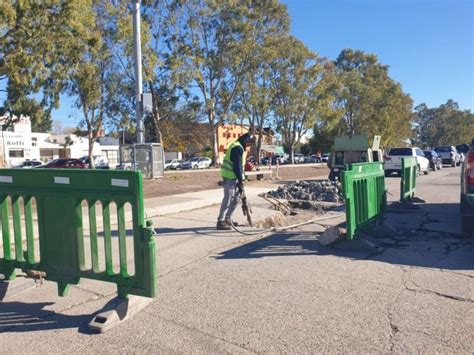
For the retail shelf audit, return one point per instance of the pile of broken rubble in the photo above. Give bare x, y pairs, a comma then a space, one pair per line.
327, 191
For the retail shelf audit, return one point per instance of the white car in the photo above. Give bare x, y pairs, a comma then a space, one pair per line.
393, 161
173, 164
196, 163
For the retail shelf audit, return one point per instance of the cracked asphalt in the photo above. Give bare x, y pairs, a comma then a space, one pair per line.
283, 293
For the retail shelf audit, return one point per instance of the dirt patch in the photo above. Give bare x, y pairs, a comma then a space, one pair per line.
177, 182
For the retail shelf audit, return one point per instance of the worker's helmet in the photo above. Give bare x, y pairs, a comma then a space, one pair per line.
248, 138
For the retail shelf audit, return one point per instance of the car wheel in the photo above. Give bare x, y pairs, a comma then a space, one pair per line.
458, 163
427, 171
453, 164
195, 166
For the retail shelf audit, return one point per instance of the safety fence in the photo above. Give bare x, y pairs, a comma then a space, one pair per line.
365, 195
408, 178
73, 224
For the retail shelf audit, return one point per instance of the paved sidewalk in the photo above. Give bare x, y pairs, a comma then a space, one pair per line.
161, 206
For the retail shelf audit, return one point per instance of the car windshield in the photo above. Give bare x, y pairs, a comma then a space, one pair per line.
400, 151
194, 159
427, 153
442, 149
168, 161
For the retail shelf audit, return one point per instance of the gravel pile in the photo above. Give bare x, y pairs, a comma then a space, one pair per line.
328, 191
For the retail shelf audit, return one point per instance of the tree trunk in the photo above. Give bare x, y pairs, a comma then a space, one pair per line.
259, 145
292, 150
215, 152
91, 146
156, 123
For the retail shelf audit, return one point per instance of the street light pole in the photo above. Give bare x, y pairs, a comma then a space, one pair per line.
138, 70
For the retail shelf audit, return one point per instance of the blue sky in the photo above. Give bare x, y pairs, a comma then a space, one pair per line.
428, 44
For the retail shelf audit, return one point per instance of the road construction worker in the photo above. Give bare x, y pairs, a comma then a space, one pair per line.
232, 172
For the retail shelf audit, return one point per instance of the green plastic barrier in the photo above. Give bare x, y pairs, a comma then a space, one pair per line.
408, 178
44, 208
363, 188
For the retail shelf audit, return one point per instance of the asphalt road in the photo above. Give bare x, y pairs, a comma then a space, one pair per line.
283, 293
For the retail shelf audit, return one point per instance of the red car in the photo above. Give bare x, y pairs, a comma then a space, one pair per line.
64, 164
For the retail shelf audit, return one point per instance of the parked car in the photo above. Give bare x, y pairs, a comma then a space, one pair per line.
196, 163
311, 159
325, 157
435, 160
393, 161
124, 166
173, 164
467, 191
448, 154
280, 158
100, 162
265, 160
462, 150
28, 164
63, 164
298, 158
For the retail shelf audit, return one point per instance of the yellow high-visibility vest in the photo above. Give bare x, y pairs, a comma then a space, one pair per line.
227, 168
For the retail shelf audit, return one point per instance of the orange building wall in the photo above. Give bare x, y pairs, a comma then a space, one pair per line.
227, 134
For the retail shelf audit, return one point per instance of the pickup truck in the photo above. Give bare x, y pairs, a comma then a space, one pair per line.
449, 155
467, 191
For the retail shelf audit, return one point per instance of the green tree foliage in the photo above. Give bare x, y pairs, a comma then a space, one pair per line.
302, 91
443, 125
255, 97
40, 41
369, 101
216, 48
95, 79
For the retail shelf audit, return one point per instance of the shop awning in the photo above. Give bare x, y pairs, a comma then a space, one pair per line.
274, 149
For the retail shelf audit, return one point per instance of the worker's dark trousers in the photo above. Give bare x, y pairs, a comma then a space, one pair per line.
230, 200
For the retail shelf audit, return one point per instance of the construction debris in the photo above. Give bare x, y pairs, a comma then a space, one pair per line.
328, 191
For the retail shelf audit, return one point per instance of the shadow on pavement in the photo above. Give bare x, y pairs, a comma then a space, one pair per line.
29, 317
426, 235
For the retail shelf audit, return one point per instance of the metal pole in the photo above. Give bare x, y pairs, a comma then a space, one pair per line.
138, 69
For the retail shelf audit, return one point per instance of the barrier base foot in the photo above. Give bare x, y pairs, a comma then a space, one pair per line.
122, 309
15, 287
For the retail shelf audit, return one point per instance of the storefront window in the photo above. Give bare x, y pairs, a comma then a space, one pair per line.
16, 153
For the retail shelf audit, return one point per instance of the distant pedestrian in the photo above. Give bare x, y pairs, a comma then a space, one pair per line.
232, 172
318, 156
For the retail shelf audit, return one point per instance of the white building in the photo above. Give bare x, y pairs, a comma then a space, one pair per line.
18, 143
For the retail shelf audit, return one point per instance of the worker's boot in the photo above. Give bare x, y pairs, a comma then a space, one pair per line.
222, 225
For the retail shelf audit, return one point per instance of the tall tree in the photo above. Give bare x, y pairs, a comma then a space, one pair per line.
370, 101
255, 98
40, 42
302, 92
443, 125
94, 80
217, 47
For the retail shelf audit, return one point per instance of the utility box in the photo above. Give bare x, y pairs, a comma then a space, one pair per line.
145, 157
